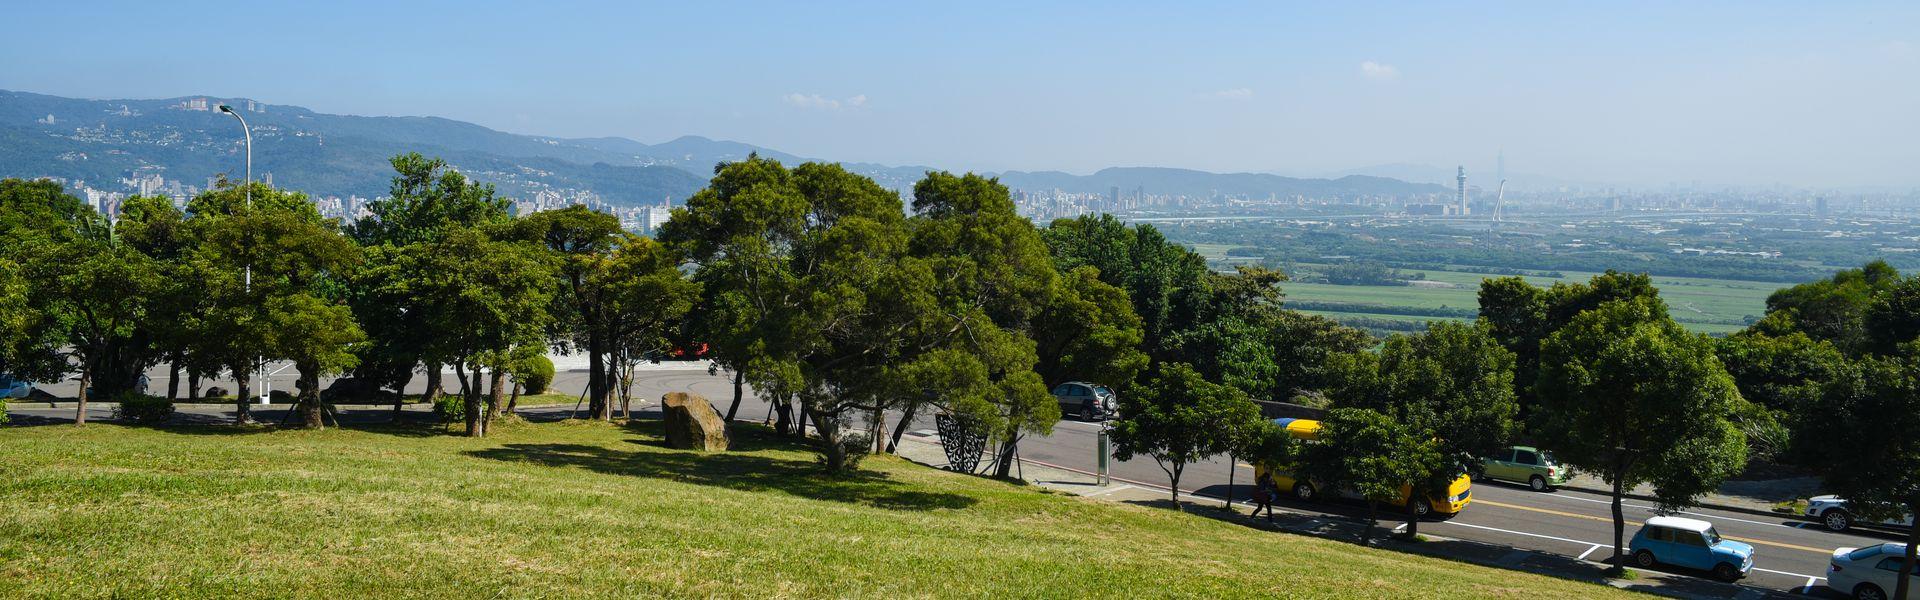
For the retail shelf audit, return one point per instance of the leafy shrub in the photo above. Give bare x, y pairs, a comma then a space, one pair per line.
534, 373
3, 411
141, 409
857, 446
450, 408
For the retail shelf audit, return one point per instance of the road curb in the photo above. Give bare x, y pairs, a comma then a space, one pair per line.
1712, 505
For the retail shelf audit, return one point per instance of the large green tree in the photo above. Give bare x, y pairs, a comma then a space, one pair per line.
1629, 395
647, 297
798, 254
580, 241
1179, 418
1869, 450
1833, 309
1369, 454
275, 274
478, 300
1451, 387
425, 199
1521, 316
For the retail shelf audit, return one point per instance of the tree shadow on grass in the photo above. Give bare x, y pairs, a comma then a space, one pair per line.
733, 470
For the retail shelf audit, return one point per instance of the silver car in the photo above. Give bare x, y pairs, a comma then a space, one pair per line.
1088, 401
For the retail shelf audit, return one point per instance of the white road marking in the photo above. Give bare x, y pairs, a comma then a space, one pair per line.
1583, 555
1808, 588
1650, 508
1123, 486
1809, 577
1509, 531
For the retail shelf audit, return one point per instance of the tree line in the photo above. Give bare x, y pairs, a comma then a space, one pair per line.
842, 303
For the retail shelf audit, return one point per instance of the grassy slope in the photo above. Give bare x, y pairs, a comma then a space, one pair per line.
588, 509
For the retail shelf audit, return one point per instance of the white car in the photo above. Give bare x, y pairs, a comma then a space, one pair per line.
1867, 573
1832, 512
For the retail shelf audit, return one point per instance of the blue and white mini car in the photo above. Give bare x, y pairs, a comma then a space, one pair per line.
1690, 543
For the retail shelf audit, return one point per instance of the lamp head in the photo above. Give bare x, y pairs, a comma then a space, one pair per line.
226, 109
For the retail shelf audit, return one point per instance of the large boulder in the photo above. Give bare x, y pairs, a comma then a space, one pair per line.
692, 423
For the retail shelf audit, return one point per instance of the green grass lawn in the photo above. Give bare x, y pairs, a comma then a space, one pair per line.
590, 509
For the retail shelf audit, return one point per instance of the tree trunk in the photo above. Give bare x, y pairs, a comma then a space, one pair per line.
470, 401
433, 391
877, 430
1373, 514
1901, 589
1173, 479
86, 381
1004, 469
243, 386
193, 385
829, 439
613, 380
783, 423
1619, 525
800, 422
906, 420
739, 386
173, 380
1233, 468
596, 377
514, 400
309, 401
495, 394
1413, 512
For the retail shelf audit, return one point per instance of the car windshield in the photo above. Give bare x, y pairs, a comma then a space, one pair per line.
1102, 390
1712, 535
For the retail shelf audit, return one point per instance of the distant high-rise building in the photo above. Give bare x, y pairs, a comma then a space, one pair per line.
1462, 179
1820, 206
1113, 199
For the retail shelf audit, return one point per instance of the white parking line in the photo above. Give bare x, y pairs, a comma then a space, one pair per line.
1808, 588
1583, 555
1650, 508
1809, 577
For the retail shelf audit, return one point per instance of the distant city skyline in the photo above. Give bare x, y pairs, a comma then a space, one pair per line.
1635, 94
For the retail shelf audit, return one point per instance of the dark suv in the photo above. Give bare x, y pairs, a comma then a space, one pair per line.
1088, 401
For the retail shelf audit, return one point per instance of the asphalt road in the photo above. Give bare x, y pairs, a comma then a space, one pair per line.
1790, 555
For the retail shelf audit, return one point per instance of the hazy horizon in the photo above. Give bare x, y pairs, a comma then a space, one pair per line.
1634, 94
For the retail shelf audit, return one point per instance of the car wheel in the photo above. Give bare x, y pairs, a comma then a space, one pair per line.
1726, 572
1303, 491
1644, 559
1086, 413
1538, 483
1868, 591
1421, 508
1836, 519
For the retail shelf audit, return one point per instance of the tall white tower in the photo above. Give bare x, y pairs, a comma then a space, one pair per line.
1462, 178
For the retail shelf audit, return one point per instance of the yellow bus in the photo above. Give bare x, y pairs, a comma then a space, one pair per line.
1459, 492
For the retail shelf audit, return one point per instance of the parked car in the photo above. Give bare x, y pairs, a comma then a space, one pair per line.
1089, 401
1832, 512
1868, 573
1528, 465
14, 388
1458, 495
1690, 543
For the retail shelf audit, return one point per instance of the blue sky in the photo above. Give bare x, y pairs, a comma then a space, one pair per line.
1751, 93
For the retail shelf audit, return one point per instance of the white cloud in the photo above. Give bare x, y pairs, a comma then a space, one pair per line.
822, 102
1379, 71
1234, 94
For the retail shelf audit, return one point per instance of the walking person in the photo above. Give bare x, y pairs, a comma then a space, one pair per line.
1263, 491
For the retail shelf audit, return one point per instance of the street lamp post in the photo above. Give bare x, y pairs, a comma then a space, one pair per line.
246, 187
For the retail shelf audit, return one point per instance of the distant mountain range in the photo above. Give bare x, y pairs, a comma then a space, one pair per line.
187, 139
